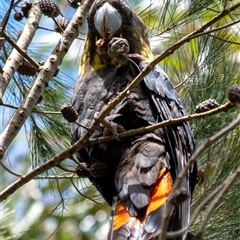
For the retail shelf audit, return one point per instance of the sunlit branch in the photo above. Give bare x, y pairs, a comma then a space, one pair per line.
47, 72
69, 176
22, 52
9, 170
23, 42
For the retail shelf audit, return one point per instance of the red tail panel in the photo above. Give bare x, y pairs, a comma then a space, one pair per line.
126, 227
160, 191
122, 218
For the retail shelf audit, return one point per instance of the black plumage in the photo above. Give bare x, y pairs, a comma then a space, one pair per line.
141, 164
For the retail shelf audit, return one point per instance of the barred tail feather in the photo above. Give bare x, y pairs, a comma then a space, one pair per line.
126, 227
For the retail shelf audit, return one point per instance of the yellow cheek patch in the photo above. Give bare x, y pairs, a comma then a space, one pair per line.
97, 63
146, 52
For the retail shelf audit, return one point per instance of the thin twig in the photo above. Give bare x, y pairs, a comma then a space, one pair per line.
9, 170
47, 72
218, 28
216, 199
186, 79
208, 142
223, 108
46, 112
60, 193
33, 111
71, 176
82, 193
83, 142
22, 52
213, 194
55, 21
74, 160
52, 30
203, 6
6, 18
65, 169
225, 2
224, 40
23, 42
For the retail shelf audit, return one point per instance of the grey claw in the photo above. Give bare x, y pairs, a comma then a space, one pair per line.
113, 128
118, 49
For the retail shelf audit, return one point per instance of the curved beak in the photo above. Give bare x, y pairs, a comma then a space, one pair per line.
107, 20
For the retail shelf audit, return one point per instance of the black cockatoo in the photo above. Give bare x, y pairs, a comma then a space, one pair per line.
141, 169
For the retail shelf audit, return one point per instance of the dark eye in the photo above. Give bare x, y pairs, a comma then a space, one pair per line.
115, 4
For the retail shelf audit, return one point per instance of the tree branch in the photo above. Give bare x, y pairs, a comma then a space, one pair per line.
9, 170
216, 199
223, 108
44, 77
33, 111
159, 58
84, 141
208, 142
23, 42
6, 18
22, 52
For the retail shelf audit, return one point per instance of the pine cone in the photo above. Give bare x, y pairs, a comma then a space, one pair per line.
234, 94
82, 172
25, 7
26, 68
49, 8
62, 24
69, 113
206, 106
74, 3
18, 16
99, 169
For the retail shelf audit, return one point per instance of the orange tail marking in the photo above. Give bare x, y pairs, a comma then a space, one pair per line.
159, 195
122, 217
161, 191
